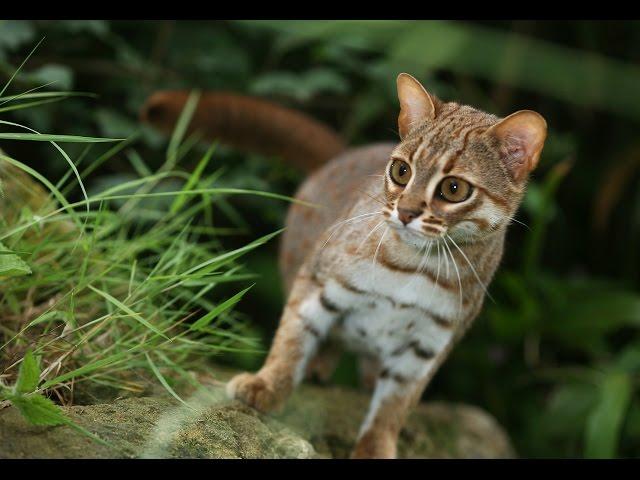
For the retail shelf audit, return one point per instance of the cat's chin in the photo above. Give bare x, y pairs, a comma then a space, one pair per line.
411, 237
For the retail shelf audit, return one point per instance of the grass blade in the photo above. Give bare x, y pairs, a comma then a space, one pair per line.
128, 310
6, 85
193, 179
181, 127
224, 306
41, 137
164, 382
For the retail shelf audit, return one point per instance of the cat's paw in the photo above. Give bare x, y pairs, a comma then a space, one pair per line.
375, 445
254, 391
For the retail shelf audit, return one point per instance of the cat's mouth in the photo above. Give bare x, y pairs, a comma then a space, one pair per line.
412, 236
428, 232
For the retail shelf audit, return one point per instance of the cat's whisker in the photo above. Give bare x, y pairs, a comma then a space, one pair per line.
455, 265
446, 260
368, 235
375, 254
484, 287
438, 273
372, 197
495, 227
344, 222
425, 246
425, 263
353, 218
518, 221
420, 248
424, 260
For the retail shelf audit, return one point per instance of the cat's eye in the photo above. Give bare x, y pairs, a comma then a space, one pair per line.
455, 190
400, 172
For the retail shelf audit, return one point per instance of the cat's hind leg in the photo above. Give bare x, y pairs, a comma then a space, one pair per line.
368, 370
325, 362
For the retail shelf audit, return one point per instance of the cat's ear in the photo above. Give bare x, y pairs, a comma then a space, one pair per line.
416, 105
521, 135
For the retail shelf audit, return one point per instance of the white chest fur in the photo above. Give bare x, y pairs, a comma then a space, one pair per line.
383, 330
384, 313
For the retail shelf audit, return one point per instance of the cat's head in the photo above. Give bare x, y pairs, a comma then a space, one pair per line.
457, 171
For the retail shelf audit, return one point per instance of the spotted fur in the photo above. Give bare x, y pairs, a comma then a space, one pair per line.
398, 289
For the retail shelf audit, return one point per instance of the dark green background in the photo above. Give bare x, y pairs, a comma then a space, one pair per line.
556, 358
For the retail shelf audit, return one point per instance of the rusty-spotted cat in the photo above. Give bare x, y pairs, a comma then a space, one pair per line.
395, 264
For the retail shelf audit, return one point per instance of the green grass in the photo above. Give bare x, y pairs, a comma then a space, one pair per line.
100, 297
115, 289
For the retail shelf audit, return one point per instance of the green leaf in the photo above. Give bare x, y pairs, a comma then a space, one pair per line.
605, 420
568, 407
588, 305
629, 359
39, 410
11, 265
227, 304
29, 374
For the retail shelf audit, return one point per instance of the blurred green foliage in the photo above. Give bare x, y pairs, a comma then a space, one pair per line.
556, 358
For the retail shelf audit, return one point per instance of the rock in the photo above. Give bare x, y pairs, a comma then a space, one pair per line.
317, 422
330, 418
154, 427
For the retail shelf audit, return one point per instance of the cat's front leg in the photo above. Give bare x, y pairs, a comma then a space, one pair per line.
389, 408
304, 324
401, 381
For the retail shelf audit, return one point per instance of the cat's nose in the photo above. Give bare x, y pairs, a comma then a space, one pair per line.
406, 214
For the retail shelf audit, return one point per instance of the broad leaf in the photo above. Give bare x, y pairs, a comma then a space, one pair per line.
29, 375
39, 410
11, 265
605, 420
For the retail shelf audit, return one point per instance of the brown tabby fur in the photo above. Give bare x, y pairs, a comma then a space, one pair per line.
375, 290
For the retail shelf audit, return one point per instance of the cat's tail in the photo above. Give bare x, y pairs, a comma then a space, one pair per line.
250, 124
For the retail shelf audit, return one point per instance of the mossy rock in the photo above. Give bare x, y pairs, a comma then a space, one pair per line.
330, 418
317, 422
156, 427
